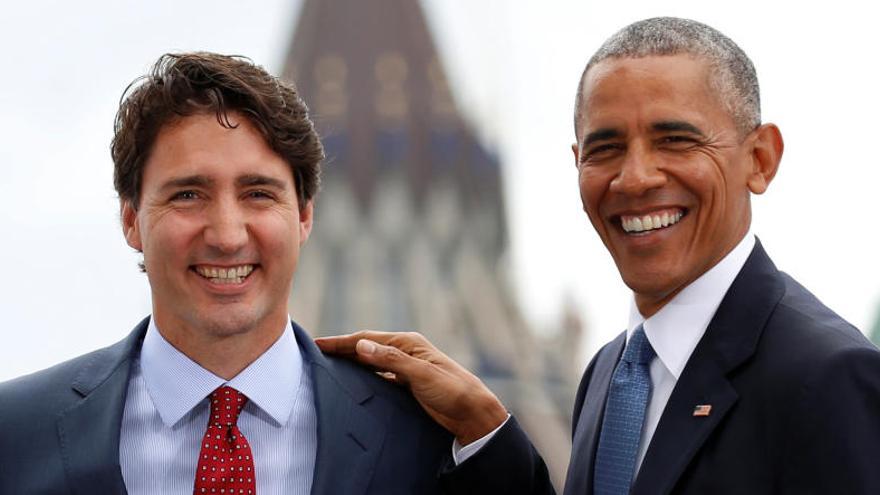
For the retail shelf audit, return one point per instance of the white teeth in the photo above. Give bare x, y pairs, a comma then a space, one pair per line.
232, 275
649, 222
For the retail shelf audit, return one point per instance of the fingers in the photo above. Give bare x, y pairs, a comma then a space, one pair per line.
366, 348
449, 393
390, 359
346, 344
400, 357
391, 377
340, 344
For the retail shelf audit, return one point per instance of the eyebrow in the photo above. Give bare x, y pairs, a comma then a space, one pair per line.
676, 126
188, 181
260, 180
205, 181
662, 126
601, 135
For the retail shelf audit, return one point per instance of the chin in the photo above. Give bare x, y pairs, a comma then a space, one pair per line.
229, 323
649, 284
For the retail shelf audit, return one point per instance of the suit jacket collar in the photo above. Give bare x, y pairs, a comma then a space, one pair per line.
89, 430
730, 340
579, 479
349, 436
675, 330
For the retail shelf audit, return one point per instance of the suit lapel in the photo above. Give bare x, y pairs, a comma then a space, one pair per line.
350, 437
89, 430
730, 340
579, 479
680, 434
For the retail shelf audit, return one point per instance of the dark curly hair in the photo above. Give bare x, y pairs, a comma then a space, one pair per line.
185, 84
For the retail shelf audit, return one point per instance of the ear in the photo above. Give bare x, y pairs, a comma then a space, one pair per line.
766, 155
130, 227
306, 215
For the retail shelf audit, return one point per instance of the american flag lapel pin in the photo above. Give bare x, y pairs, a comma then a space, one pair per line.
702, 410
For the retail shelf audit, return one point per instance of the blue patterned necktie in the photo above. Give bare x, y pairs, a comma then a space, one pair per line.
624, 414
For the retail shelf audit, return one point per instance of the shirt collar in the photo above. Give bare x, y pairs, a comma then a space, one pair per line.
176, 384
677, 327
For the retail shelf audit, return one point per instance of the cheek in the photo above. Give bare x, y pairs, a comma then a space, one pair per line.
592, 188
705, 180
169, 237
278, 234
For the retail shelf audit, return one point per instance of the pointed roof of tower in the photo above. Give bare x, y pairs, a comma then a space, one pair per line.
378, 93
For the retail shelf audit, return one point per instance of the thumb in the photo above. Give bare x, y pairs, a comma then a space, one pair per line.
386, 358
365, 347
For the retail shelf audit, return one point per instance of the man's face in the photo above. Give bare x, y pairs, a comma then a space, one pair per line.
664, 173
219, 226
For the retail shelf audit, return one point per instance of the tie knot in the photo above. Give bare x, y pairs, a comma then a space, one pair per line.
226, 405
638, 349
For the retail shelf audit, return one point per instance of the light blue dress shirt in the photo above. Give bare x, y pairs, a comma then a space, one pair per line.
166, 414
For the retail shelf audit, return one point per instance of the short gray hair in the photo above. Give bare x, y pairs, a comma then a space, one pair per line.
732, 76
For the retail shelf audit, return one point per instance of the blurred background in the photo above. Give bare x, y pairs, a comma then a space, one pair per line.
450, 200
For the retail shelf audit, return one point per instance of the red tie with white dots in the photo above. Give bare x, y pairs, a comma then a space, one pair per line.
226, 464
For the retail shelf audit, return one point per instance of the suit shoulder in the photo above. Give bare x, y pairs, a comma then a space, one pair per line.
832, 397
410, 430
47, 380
804, 344
819, 331
52, 388
360, 380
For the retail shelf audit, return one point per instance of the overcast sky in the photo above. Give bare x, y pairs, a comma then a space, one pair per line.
72, 282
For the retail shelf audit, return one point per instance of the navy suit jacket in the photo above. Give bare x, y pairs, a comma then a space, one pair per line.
59, 428
795, 396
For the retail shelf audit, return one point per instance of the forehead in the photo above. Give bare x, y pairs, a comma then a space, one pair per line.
199, 144
621, 91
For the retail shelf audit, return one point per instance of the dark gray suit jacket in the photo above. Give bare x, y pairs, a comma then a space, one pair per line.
59, 428
795, 396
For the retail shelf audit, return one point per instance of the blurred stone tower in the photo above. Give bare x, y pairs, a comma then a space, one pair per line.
410, 229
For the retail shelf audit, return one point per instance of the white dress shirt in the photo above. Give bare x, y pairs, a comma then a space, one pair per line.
677, 327
166, 414
673, 332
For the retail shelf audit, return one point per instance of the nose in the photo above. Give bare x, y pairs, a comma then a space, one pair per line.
227, 227
638, 174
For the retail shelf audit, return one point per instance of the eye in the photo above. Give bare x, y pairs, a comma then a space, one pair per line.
601, 152
259, 194
678, 142
185, 196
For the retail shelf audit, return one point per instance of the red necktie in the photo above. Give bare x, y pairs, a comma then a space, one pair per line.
226, 465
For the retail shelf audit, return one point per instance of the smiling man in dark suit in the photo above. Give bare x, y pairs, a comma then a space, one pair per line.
216, 166
731, 377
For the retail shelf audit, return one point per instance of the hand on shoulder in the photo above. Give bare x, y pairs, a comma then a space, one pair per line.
449, 393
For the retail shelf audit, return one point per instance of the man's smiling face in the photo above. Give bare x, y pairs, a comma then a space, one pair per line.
220, 227
664, 173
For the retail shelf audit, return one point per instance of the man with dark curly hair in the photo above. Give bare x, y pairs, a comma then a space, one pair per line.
216, 165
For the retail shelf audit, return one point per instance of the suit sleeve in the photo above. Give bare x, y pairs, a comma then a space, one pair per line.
836, 447
508, 464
